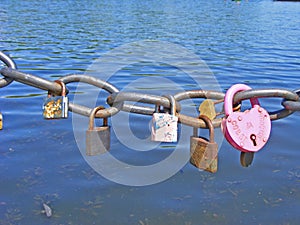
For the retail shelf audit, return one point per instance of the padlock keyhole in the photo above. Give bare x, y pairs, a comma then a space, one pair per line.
253, 139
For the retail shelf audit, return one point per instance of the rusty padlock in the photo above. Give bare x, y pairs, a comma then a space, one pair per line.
204, 153
56, 107
97, 138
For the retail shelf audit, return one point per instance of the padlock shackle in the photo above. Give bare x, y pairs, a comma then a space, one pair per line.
172, 104
228, 100
157, 108
63, 88
210, 126
92, 117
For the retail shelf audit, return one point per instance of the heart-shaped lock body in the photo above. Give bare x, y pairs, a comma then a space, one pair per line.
247, 131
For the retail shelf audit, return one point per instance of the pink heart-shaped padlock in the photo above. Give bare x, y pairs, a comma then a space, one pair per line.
247, 131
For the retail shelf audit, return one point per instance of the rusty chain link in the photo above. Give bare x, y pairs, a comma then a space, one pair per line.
119, 100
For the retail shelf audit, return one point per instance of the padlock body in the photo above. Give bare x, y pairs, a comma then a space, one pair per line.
1, 121
56, 107
164, 127
204, 154
97, 140
247, 131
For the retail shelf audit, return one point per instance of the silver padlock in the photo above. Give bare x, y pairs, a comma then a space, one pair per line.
164, 125
97, 138
204, 153
56, 107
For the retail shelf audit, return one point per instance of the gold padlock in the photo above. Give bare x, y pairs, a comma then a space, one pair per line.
207, 108
56, 107
97, 138
204, 153
1, 121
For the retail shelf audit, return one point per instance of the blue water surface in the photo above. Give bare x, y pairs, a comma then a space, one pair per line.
254, 42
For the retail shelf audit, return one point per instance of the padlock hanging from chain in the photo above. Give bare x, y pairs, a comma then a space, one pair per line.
1, 121
164, 125
56, 107
204, 153
97, 138
247, 131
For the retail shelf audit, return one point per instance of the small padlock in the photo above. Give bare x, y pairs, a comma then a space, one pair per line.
164, 125
246, 158
1, 121
204, 153
56, 107
207, 108
97, 138
247, 131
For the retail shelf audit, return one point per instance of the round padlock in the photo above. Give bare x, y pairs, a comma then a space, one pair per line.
247, 131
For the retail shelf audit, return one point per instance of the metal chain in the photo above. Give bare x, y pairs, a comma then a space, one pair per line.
292, 105
267, 93
11, 64
118, 100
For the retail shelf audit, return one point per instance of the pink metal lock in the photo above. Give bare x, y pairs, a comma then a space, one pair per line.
247, 131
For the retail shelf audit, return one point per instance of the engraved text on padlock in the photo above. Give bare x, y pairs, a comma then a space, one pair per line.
247, 131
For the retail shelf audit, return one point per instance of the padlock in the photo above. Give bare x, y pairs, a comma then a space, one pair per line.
247, 131
207, 108
97, 138
164, 125
56, 107
246, 158
1, 121
204, 153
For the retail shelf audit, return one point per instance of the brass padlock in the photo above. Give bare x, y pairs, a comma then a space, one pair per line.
204, 153
1, 121
97, 138
56, 107
208, 109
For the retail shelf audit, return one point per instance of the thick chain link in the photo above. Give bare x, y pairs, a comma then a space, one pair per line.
119, 100
10, 64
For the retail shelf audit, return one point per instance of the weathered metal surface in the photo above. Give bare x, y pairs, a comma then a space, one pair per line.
10, 64
117, 99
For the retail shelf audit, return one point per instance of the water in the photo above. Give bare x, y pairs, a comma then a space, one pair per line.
254, 42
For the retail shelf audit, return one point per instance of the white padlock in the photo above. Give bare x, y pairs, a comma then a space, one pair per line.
164, 125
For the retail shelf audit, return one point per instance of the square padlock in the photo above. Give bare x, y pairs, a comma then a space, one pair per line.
97, 138
55, 107
204, 153
164, 127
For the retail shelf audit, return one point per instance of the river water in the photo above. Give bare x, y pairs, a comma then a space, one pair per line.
254, 42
